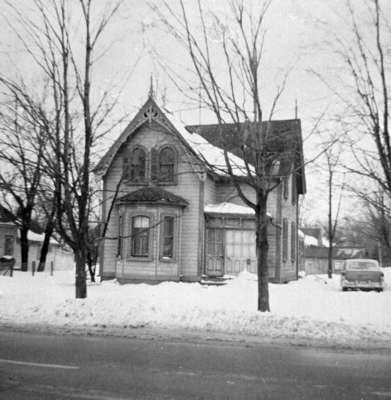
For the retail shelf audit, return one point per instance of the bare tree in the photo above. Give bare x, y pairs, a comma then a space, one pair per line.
231, 89
365, 54
332, 156
74, 121
22, 147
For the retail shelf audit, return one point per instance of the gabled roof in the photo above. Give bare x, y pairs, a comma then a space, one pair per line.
153, 195
5, 215
205, 152
284, 139
203, 142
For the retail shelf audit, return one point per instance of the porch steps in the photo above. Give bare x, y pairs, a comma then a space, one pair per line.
215, 281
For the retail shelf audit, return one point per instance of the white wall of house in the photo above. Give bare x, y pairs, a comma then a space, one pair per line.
188, 186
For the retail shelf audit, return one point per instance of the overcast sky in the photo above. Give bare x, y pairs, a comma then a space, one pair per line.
135, 47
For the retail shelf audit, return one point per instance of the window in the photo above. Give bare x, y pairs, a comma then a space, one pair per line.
166, 165
284, 240
294, 191
120, 234
168, 231
9, 246
140, 236
293, 242
134, 166
286, 187
137, 166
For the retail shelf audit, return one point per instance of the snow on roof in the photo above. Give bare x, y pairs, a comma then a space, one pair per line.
228, 208
301, 234
310, 240
206, 152
212, 155
37, 237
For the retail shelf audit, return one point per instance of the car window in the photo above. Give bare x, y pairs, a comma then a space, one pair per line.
362, 265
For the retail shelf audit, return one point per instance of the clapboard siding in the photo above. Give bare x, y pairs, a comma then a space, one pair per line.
210, 191
188, 187
226, 192
289, 211
198, 189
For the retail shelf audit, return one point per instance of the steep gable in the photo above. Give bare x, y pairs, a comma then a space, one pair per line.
5, 215
149, 112
205, 153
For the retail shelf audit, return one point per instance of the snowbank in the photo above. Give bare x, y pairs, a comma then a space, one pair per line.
311, 309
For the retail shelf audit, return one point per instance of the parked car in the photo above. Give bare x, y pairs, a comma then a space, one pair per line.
362, 274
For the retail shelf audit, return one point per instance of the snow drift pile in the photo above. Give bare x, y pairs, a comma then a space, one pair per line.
312, 309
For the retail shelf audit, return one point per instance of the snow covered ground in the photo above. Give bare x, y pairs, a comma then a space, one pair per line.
311, 310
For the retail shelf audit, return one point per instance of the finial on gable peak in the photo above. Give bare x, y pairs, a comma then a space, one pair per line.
151, 94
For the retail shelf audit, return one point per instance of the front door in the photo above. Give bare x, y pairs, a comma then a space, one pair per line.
214, 252
240, 252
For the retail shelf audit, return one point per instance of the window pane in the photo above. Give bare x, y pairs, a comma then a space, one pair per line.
9, 246
168, 237
168, 247
137, 170
166, 164
293, 241
140, 222
168, 226
140, 236
285, 239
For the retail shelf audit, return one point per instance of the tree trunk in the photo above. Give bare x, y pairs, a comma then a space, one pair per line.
45, 247
330, 226
24, 248
81, 284
91, 266
262, 252
330, 260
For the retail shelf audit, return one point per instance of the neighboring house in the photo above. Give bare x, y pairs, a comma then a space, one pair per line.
59, 256
316, 258
176, 218
8, 233
10, 246
313, 236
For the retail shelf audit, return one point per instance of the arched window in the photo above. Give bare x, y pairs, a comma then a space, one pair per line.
140, 236
137, 166
166, 165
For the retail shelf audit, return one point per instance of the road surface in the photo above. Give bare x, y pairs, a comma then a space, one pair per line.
39, 366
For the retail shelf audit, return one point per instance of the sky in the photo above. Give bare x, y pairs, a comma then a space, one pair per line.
136, 47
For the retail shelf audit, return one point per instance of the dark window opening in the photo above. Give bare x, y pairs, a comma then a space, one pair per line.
284, 239
293, 241
168, 237
120, 234
140, 236
166, 165
286, 187
294, 189
137, 166
9, 246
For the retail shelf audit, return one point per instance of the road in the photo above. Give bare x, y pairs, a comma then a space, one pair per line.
39, 366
